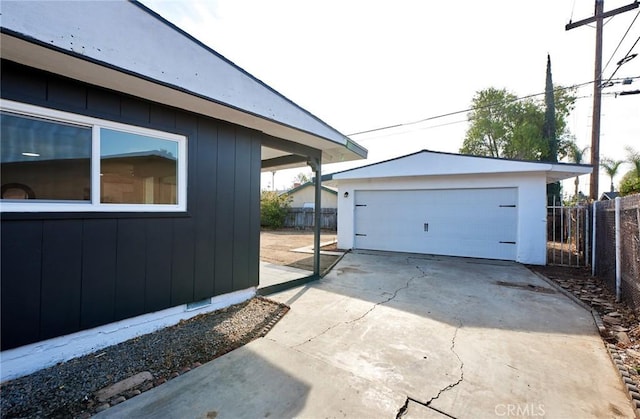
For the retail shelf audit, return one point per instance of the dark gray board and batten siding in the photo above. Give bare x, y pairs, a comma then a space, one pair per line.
66, 272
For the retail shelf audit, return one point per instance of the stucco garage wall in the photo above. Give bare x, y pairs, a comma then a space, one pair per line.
531, 204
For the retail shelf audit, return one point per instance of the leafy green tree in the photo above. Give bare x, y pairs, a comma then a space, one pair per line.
273, 209
630, 183
491, 123
612, 167
503, 126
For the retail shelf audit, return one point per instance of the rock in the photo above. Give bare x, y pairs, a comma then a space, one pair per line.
611, 320
118, 400
122, 386
132, 393
614, 314
633, 353
102, 407
617, 328
623, 338
147, 386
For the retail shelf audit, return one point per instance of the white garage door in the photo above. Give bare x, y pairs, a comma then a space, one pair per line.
458, 222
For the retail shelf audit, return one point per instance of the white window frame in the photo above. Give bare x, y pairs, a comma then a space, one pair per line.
94, 205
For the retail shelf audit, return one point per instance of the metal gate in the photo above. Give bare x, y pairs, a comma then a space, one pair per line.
568, 235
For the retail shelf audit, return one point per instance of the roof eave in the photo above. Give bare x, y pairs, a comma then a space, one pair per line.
32, 53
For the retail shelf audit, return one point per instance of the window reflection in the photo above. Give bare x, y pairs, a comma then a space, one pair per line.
137, 169
44, 160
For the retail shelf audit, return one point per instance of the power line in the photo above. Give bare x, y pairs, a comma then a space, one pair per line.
575, 86
622, 61
462, 121
620, 43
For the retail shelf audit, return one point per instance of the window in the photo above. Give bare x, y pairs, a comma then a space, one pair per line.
52, 159
55, 161
137, 169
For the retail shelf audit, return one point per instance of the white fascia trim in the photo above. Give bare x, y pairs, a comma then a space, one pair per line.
96, 123
30, 358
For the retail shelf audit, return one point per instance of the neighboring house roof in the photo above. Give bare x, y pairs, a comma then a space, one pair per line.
309, 184
609, 196
124, 46
435, 163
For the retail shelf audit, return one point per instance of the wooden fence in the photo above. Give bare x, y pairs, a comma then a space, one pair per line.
303, 218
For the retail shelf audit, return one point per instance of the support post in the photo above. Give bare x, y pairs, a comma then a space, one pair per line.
618, 252
597, 104
316, 164
593, 242
586, 237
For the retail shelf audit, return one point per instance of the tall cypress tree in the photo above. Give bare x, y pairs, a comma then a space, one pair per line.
549, 128
549, 133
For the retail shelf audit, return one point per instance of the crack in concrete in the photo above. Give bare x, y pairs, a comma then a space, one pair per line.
393, 296
403, 409
453, 350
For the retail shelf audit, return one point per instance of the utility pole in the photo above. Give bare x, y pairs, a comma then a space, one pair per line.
598, 17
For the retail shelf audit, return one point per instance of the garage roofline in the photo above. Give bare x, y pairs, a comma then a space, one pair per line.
554, 171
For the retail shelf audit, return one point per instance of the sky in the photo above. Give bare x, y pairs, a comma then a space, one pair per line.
365, 64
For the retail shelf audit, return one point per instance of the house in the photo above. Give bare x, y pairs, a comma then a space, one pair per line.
609, 196
449, 204
131, 160
303, 196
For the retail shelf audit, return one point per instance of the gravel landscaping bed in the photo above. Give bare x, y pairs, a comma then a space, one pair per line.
69, 389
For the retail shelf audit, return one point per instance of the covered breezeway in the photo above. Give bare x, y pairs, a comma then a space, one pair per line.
278, 154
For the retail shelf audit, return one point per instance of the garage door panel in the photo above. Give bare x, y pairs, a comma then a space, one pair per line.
458, 222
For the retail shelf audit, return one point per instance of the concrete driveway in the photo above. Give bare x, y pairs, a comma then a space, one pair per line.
396, 334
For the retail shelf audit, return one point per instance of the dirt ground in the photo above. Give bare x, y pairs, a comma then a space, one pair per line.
276, 247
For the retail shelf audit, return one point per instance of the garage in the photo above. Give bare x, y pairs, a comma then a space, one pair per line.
449, 204
458, 222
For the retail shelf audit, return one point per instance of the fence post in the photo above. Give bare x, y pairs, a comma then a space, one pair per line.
554, 229
593, 242
561, 232
618, 256
586, 236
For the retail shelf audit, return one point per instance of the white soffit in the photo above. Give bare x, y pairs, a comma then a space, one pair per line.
431, 163
124, 46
